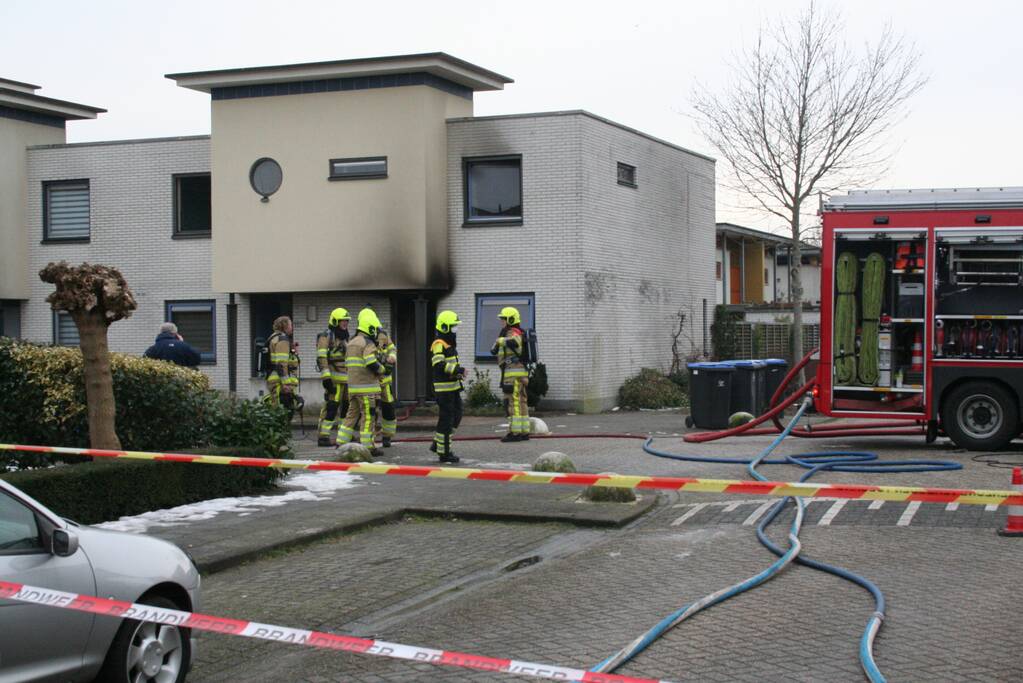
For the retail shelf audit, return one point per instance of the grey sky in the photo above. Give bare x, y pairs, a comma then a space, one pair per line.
633, 62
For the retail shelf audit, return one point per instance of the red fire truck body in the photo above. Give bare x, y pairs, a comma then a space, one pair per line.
953, 285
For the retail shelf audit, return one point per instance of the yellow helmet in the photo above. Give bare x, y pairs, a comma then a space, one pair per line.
368, 321
446, 320
511, 315
337, 315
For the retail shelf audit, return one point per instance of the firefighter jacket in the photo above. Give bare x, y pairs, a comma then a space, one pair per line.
279, 345
330, 355
387, 356
509, 349
364, 370
447, 373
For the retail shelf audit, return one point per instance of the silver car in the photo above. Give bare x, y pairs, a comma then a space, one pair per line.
39, 643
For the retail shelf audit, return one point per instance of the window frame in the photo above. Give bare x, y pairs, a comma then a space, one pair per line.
634, 183
177, 233
47, 186
470, 222
479, 297
209, 358
367, 176
40, 524
56, 330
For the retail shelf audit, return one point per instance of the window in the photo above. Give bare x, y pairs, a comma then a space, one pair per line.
717, 270
66, 210
493, 190
767, 276
65, 332
196, 321
487, 324
356, 169
19, 531
626, 175
192, 205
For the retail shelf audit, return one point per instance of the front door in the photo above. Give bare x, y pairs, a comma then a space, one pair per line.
263, 310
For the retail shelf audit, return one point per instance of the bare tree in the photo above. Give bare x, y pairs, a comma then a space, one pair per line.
94, 296
805, 114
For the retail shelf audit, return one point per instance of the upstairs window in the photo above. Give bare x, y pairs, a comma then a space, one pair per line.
196, 321
65, 332
493, 190
355, 169
192, 201
66, 211
626, 175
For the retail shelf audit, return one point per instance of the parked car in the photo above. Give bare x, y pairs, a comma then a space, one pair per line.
42, 643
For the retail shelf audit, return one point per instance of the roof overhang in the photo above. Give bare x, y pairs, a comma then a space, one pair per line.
436, 63
27, 101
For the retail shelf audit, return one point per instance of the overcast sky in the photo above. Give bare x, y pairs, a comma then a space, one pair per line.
634, 62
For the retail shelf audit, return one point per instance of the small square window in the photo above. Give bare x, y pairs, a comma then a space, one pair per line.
354, 169
197, 325
487, 324
192, 202
65, 332
493, 190
66, 210
626, 175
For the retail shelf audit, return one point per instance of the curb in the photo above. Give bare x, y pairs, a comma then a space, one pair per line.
369, 520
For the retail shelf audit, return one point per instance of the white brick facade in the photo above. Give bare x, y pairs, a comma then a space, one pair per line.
610, 265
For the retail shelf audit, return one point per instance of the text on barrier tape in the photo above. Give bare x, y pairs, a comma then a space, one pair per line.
736, 486
328, 641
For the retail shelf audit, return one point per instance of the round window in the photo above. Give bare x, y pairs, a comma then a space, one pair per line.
265, 177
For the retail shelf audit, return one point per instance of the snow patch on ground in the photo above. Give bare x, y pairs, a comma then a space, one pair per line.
304, 486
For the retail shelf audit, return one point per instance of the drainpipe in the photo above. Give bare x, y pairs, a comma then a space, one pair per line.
232, 344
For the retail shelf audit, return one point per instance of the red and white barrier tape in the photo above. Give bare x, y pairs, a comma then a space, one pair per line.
295, 636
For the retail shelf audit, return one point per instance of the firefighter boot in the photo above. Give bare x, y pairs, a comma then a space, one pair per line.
324, 442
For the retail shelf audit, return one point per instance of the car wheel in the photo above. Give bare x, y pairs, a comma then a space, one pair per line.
144, 652
980, 416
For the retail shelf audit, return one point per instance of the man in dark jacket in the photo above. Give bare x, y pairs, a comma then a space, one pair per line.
171, 347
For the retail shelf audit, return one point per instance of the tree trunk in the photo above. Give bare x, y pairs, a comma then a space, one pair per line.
99, 382
796, 294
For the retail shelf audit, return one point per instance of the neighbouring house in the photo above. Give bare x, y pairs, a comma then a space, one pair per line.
751, 267
366, 182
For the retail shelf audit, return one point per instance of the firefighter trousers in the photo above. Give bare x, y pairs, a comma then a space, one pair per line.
335, 407
359, 419
387, 422
450, 405
517, 405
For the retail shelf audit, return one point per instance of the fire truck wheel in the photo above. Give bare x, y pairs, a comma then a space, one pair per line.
980, 416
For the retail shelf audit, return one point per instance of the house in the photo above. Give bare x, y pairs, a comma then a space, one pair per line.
751, 267
367, 182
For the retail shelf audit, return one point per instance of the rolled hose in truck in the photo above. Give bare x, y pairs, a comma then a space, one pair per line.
845, 319
872, 294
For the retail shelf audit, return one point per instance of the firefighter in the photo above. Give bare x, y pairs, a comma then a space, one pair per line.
387, 356
364, 372
447, 384
282, 382
330, 360
510, 349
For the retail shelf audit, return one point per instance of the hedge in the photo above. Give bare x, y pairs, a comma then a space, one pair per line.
160, 406
107, 490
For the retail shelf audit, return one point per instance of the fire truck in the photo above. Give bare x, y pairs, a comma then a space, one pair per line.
922, 311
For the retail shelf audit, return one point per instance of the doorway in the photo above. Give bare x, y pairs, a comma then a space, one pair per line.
263, 310
412, 318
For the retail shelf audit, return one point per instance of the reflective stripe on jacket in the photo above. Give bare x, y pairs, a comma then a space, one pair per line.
446, 370
361, 361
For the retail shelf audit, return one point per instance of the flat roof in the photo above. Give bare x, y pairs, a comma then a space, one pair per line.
759, 234
19, 98
18, 85
437, 63
581, 112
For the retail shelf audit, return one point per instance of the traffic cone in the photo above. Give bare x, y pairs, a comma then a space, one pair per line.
1014, 522
916, 363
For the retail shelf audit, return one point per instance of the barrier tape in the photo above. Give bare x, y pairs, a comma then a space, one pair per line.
284, 634
730, 486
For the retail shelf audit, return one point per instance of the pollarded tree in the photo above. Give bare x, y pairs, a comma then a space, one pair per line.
805, 114
94, 296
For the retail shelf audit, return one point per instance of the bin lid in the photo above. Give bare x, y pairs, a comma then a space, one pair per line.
724, 366
747, 364
775, 361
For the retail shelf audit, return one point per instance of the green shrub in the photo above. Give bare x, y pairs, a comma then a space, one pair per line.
108, 489
160, 406
478, 393
724, 332
650, 389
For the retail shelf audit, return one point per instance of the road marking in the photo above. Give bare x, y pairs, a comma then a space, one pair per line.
875, 505
990, 508
952, 507
835, 508
908, 513
758, 513
692, 511
731, 506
